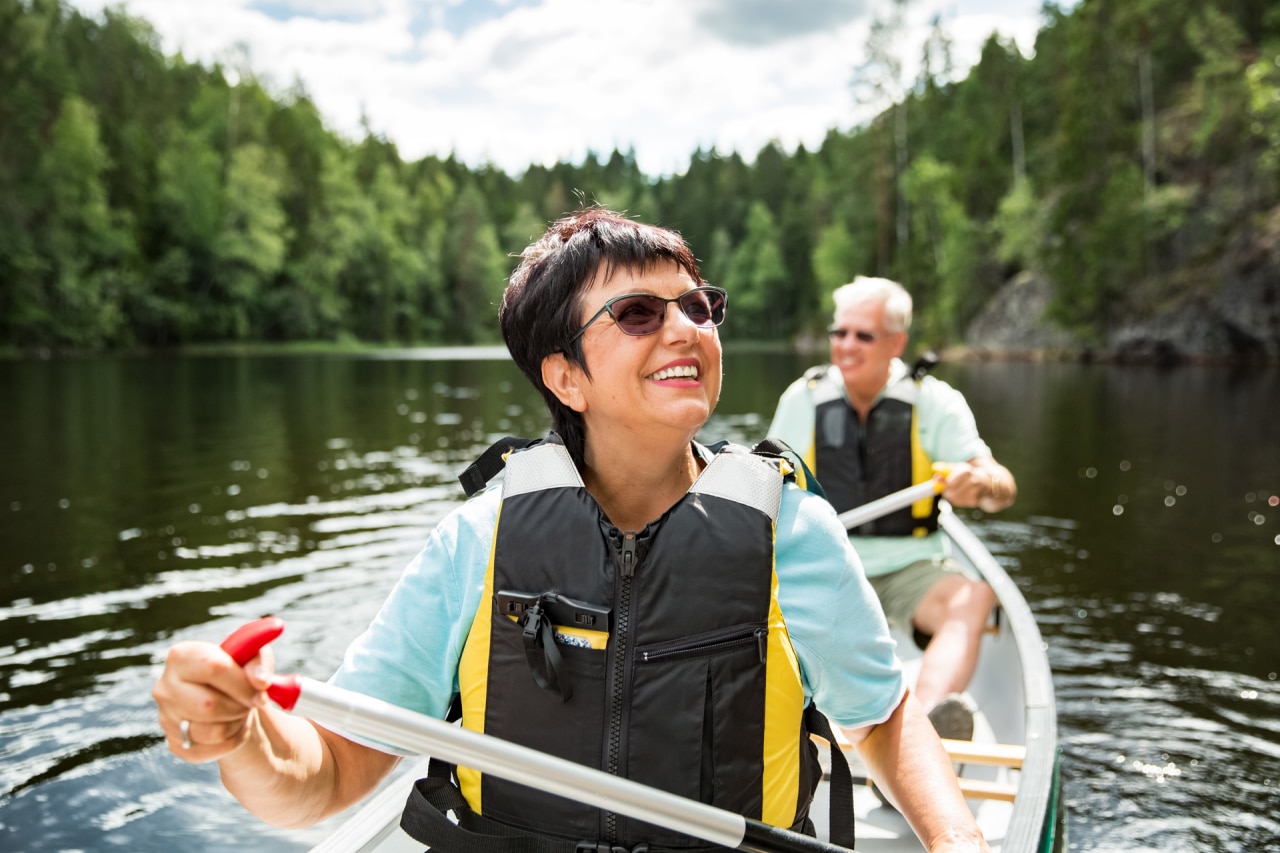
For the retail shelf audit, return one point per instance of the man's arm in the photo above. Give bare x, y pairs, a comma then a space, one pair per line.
910, 766
982, 482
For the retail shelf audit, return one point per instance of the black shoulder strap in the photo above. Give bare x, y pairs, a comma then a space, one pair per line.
841, 793
800, 475
927, 361
816, 372
479, 473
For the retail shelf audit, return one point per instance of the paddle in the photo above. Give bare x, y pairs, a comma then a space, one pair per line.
860, 515
365, 716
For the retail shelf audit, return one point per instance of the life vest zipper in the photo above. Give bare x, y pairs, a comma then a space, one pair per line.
628, 562
709, 643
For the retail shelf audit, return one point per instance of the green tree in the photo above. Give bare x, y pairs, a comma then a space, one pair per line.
475, 269
878, 80
755, 278
82, 247
951, 246
1019, 226
189, 202
836, 258
250, 249
1220, 84
1263, 78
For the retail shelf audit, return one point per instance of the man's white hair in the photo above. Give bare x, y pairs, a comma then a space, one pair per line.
882, 291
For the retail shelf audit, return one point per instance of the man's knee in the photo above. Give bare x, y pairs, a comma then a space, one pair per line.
984, 596
969, 601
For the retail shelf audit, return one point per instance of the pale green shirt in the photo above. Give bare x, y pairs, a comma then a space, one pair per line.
948, 433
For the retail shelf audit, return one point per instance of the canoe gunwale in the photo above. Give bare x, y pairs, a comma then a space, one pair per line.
1032, 821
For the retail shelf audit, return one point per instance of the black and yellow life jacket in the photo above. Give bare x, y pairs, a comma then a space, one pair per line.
660, 656
857, 462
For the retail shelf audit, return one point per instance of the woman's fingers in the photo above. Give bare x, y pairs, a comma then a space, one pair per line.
206, 701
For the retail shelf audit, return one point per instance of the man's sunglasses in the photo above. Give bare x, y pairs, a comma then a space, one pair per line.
644, 313
862, 335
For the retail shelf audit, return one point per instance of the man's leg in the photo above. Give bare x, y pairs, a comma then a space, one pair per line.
954, 612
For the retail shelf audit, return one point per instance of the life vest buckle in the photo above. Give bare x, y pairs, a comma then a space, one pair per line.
602, 847
532, 623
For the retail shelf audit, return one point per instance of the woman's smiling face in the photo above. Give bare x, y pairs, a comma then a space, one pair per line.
640, 386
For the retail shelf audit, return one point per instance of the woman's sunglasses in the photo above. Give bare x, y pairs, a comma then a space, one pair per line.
644, 313
862, 335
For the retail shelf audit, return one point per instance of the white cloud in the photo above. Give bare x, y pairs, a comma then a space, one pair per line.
515, 82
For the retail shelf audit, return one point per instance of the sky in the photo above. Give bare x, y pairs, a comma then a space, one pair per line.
518, 82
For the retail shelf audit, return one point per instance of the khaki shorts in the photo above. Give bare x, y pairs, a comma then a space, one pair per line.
901, 591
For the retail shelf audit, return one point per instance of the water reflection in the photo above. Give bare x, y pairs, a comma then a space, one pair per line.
146, 501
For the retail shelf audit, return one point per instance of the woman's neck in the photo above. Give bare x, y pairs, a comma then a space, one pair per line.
635, 485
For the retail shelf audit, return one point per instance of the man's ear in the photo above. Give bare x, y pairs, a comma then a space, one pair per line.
901, 346
565, 379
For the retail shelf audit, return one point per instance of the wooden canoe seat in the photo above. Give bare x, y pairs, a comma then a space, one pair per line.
1008, 755
998, 754
980, 789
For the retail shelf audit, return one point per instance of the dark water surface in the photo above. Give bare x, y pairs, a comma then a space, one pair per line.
148, 501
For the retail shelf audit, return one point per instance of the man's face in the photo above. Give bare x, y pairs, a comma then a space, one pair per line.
862, 349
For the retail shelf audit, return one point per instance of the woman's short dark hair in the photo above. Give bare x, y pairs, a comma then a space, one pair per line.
541, 307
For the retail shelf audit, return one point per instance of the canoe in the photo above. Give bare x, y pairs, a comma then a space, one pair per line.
1010, 771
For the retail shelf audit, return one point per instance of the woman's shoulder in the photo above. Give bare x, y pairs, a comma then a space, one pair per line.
805, 514
473, 519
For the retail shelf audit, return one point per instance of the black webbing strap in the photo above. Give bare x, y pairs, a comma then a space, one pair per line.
426, 820
543, 655
802, 475
484, 469
927, 361
840, 830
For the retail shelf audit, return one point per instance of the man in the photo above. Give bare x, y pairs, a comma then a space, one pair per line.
868, 427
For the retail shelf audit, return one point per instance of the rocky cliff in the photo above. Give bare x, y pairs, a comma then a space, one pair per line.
1232, 315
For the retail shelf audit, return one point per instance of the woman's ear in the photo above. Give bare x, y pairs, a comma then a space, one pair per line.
565, 380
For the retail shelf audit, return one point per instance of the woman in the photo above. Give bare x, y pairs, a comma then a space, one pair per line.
615, 602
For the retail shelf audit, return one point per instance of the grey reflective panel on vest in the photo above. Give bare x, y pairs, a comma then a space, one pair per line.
544, 466
749, 480
905, 389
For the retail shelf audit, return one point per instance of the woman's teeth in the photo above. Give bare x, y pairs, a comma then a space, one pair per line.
687, 371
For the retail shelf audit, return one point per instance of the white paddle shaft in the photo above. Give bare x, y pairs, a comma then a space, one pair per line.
860, 515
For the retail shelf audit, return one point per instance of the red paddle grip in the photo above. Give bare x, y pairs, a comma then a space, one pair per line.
244, 643
285, 690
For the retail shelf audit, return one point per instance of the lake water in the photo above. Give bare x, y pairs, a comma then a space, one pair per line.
144, 501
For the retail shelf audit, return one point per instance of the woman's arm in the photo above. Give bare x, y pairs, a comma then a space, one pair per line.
910, 766
284, 769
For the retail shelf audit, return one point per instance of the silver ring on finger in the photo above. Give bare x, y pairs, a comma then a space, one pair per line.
184, 732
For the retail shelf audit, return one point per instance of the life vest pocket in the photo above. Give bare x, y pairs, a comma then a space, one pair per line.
534, 716
548, 643
720, 641
699, 699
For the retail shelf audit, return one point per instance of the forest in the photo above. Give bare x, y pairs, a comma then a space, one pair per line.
149, 202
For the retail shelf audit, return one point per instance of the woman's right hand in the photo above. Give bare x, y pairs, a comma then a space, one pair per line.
208, 703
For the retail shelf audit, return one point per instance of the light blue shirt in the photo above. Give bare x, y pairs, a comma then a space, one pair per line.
409, 655
948, 433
